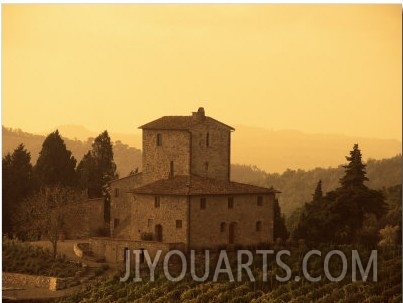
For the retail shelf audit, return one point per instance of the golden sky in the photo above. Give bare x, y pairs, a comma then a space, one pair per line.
314, 68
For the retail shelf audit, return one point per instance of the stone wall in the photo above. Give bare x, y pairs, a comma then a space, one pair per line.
203, 227
213, 159
175, 146
142, 216
121, 208
205, 224
81, 249
113, 250
84, 219
23, 280
171, 208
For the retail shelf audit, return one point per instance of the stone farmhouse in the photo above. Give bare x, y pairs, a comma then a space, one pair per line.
183, 198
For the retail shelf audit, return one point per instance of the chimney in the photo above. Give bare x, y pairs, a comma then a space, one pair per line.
199, 115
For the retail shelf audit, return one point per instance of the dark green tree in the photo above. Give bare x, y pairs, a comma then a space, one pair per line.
318, 195
97, 167
55, 165
339, 216
17, 183
279, 227
393, 216
87, 174
355, 174
354, 201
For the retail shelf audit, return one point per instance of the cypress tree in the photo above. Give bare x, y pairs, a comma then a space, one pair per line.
355, 174
55, 165
279, 228
318, 195
97, 167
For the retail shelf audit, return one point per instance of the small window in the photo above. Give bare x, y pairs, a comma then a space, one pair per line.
178, 223
203, 203
206, 166
259, 201
116, 223
159, 140
207, 139
258, 226
230, 202
223, 227
157, 201
116, 192
171, 169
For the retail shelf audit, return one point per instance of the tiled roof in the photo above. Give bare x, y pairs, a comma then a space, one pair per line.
138, 175
178, 123
195, 185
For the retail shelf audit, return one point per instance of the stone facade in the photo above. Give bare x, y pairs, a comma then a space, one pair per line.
187, 145
84, 219
169, 156
219, 223
162, 215
121, 206
184, 196
181, 219
210, 154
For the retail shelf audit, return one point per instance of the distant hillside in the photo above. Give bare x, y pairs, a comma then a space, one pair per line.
278, 150
265, 149
132, 138
297, 186
272, 150
126, 158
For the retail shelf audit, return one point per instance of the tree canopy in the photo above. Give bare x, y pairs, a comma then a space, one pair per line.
17, 182
55, 165
343, 215
43, 213
355, 174
279, 228
97, 167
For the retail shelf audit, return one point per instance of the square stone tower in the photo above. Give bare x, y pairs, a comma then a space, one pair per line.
186, 145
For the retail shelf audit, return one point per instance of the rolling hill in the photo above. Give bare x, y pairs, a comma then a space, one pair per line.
301, 158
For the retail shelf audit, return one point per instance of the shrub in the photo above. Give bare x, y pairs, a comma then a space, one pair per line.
147, 236
25, 258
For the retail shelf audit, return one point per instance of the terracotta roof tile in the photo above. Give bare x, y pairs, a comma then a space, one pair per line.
195, 185
178, 123
138, 176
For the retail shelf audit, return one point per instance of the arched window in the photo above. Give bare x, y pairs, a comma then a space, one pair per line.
208, 139
223, 227
259, 226
159, 140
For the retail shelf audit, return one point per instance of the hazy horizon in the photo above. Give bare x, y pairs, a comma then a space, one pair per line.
137, 132
269, 150
318, 69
